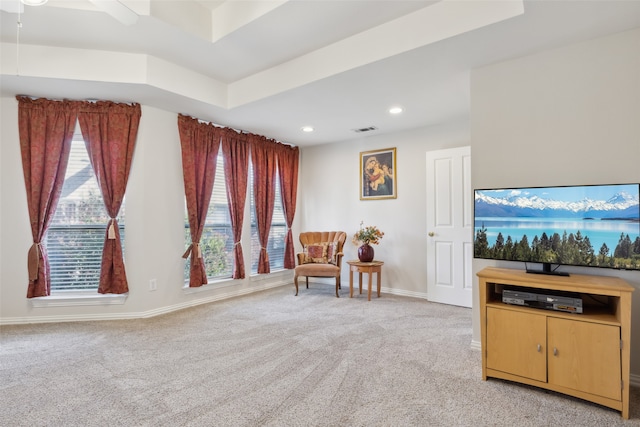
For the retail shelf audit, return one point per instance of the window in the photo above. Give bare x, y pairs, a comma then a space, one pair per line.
277, 234
75, 237
216, 242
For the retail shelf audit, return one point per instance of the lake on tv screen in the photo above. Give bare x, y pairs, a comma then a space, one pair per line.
598, 231
600, 212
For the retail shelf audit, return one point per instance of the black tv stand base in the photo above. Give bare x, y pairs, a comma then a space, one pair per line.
546, 269
552, 273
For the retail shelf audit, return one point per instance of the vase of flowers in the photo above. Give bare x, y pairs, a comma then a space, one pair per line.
365, 252
365, 237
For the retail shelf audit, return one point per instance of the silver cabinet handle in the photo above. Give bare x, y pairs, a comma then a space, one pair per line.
539, 348
555, 351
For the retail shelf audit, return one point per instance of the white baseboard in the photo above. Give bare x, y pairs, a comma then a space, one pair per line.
65, 318
144, 314
401, 292
212, 298
345, 285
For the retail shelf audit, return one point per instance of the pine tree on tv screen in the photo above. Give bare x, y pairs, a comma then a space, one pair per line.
597, 226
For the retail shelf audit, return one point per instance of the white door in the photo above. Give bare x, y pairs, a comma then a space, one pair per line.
449, 226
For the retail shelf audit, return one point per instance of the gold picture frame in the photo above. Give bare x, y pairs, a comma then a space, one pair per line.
378, 174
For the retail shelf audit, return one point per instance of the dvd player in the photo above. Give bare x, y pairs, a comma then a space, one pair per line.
566, 303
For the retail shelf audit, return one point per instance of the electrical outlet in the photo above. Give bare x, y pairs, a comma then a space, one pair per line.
153, 284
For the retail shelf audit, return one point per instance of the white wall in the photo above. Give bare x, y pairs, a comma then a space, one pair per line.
154, 241
561, 117
329, 199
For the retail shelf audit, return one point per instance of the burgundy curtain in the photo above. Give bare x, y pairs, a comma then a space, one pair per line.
200, 143
236, 166
288, 167
263, 158
46, 130
110, 131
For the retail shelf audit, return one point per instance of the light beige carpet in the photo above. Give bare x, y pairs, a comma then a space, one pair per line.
272, 359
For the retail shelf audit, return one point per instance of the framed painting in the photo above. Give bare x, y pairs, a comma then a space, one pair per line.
378, 174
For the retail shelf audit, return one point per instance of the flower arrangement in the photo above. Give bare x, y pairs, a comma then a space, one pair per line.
367, 235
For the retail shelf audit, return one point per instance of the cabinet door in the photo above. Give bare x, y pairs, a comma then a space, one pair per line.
516, 343
585, 356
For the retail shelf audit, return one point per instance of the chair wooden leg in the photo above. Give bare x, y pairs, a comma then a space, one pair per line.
295, 282
307, 277
337, 287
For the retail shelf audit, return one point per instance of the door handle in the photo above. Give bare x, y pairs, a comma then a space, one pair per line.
431, 234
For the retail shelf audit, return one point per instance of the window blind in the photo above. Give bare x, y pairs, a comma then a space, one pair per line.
216, 242
277, 233
75, 238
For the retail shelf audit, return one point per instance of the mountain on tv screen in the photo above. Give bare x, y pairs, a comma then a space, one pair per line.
597, 225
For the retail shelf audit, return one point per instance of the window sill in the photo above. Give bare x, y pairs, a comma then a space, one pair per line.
276, 274
255, 279
78, 299
212, 285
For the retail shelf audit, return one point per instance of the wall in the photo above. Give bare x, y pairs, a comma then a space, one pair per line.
154, 239
329, 199
561, 117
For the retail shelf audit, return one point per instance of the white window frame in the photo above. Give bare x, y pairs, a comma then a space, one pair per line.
77, 297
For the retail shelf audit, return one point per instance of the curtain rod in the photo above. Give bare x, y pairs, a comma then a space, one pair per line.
237, 130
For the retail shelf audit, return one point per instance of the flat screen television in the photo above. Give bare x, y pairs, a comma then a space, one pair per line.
586, 225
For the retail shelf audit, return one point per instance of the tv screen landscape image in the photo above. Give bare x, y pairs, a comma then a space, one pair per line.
593, 225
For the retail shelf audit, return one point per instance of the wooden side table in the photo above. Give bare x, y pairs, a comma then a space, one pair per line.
365, 267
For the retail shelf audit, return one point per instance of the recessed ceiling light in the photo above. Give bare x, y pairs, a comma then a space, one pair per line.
34, 2
395, 110
307, 129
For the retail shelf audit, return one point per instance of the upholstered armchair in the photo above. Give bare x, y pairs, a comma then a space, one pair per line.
321, 256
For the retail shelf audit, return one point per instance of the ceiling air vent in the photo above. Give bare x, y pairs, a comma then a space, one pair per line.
367, 129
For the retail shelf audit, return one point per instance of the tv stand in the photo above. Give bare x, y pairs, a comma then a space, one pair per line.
585, 355
546, 269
